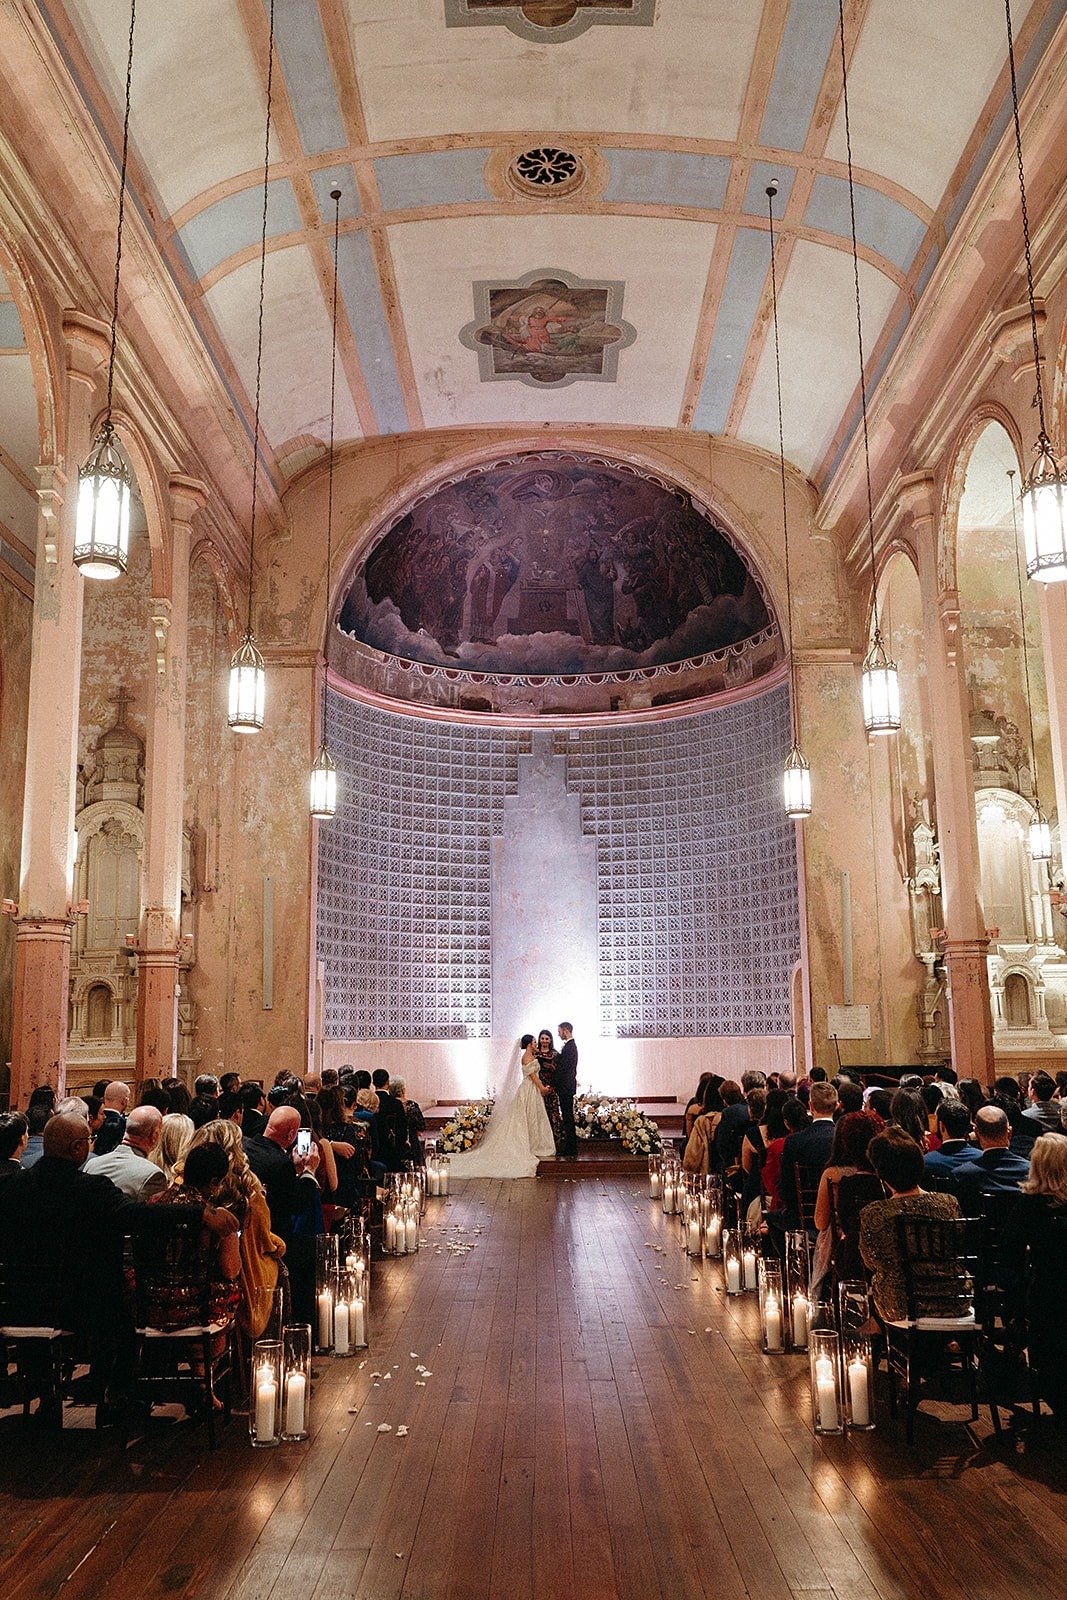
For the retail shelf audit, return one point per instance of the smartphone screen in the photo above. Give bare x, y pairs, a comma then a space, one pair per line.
303, 1142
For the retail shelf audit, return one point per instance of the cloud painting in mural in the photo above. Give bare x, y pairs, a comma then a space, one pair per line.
553, 563
548, 329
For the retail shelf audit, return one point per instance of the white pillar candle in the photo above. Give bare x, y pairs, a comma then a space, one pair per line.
412, 1233
325, 1319
434, 1181
266, 1404
772, 1317
351, 1263
800, 1321
654, 1185
733, 1276
359, 1328
694, 1238
444, 1180
825, 1393
390, 1231
859, 1393
714, 1235
749, 1259
295, 1397
340, 1327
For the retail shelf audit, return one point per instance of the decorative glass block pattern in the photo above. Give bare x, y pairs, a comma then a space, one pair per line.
699, 925
698, 913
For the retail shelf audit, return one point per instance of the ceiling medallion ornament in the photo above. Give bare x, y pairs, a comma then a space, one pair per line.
546, 170
548, 329
550, 21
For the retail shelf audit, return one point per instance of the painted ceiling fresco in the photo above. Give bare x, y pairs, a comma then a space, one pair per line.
553, 563
548, 328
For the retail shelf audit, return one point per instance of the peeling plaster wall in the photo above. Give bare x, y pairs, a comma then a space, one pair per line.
117, 647
16, 624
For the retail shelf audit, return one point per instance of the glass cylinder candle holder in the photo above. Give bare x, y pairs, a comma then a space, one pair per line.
731, 1260
750, 1255
327, 1265
692, 1227
858, 1356
296, 1380
444, 1169
357, 1262
433, 1174
410, 1222
392, 1235
655, 1176
824, 1354
670, 1191
772, 1311
853, 1305
265, 1410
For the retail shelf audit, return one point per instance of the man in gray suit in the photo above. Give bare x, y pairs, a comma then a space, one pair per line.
128, 1165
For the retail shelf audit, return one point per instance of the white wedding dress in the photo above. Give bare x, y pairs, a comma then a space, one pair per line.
517, 1137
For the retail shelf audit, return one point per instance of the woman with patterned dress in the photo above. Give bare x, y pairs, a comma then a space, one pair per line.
547, 1056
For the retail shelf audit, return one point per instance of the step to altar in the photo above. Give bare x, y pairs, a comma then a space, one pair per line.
597, 1158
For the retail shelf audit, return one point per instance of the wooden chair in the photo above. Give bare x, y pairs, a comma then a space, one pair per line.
940, 1263
182, 1343
36, 1338
806, 1190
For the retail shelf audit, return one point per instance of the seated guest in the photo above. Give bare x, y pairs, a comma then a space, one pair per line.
701, 1154
1044, 1108
254, 1101
37, 1119
954, 1130
898, 1161
849, 1096
793, 1117
758, 1140
149, 1086
1034, 1249
343, 1132
178, 1097
907, 1110
807, 1151
292, 1198
994, 1167
128, 1165
932, 1096
72, 1224
204, 1169
972, 1095
229, 1082
879, 1101
203, 1108
116, 1105
415, 1120
848, 1155
175, 1135
392, 1124
231, 1108
362, 1079
14, 1136
695, 1106
206, 1087
330, 1078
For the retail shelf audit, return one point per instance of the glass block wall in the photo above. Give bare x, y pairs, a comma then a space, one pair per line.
697, 904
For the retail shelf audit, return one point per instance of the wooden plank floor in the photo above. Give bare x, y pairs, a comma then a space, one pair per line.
599, 1423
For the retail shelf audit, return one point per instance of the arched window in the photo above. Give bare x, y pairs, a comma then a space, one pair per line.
1018, 1010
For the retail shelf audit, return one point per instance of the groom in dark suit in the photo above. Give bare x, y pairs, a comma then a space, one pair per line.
565, 1083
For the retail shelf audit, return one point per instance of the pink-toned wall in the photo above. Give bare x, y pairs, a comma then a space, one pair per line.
16, 619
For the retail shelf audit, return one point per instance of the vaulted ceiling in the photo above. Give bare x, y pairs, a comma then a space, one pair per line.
678, 112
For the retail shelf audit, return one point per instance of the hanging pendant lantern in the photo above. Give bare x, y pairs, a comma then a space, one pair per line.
248, 687
796, 785
1044, 499
102, 531
881, 690
323, 784
1040, 838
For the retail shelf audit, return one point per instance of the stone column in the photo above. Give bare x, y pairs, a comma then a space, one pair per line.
45, 916
158, 950
966, 942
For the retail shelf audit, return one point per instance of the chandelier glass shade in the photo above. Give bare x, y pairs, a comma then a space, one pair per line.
796, 785
248, 688
881, 690
1044, 501
1040, 838
102, 529
323, 784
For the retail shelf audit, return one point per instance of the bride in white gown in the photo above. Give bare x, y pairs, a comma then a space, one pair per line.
519, 1134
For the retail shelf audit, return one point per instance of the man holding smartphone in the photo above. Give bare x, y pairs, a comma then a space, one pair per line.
287, 1173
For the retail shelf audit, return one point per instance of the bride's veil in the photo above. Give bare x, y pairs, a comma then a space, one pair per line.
507, 1091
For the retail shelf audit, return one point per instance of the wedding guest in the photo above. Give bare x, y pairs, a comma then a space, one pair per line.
392, 1124
341, 1129
972, 1095
178, 1097
204, 1171
849, 1095
254, 1101
116, 1105
954, 1129
1034, 1250
808, 1150
994, 1167
907, 1111
415, 1120
794, 1116
700, 1150
229, 1082
150, 1086
203, 1108
206, 1087
175, 1135
37, 1119
292, 1197
547, 1056
848, 1155
753, 1147
731, 1125
14, 1135
128, 1165
695, 1106
1044, 1107
898, 1160
880, 1102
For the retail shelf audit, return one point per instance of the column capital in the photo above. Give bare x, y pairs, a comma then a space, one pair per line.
87, 344
1012, 340
959, 949
916, 495
160, 613
160, 933
187, 496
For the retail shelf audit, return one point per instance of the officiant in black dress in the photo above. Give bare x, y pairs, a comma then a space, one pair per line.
549, 1061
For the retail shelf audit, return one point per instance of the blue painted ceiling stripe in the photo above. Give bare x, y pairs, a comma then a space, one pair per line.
11, 334
234, 223
308, 79
358, 283
806, 44
882, 224
664, 177
433, 178
745, 277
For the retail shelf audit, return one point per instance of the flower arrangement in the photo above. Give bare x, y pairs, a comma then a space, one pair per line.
601, 1116
463, 1131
